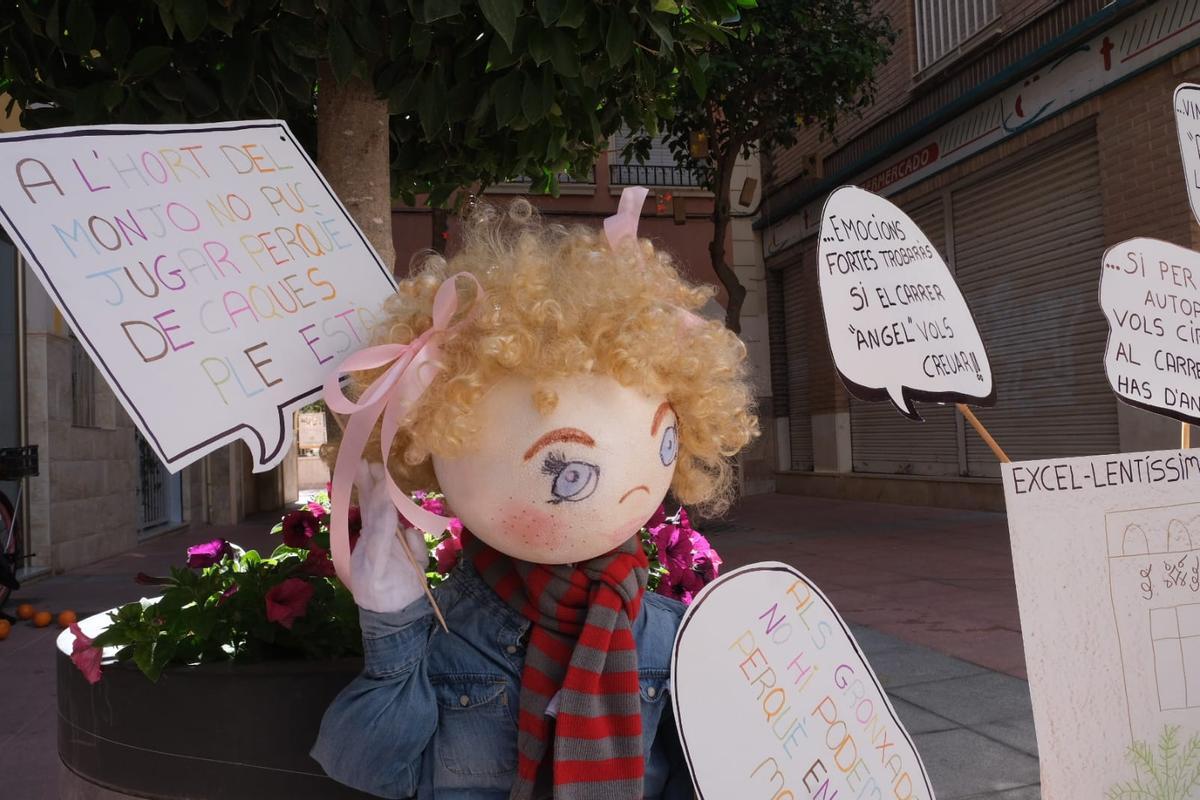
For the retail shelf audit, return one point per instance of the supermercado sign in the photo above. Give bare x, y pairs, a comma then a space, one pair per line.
1137, 42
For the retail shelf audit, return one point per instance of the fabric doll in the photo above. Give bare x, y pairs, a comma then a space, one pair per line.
553, 382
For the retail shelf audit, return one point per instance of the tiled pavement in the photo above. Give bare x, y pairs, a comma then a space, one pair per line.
973, 727
928, 592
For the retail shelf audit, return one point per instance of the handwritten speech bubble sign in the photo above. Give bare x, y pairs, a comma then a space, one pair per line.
1150, 293
209, 271
897, 323
773, 697
1187, 126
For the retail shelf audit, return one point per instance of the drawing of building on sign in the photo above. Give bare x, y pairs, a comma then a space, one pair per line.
1176, 636
1154, 580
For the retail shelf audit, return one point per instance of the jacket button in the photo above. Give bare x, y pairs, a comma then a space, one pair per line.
512, 648
464, 701
650, 692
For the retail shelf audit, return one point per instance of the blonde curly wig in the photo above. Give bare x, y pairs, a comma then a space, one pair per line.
559, 302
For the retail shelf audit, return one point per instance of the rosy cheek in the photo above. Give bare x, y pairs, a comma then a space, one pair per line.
528, 524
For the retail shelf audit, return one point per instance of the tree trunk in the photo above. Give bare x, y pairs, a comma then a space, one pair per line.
716, 248
352, 153
441, 228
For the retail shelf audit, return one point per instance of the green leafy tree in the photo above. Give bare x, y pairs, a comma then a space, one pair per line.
401, 97
786, 67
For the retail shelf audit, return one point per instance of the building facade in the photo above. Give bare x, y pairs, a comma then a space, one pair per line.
1024, 137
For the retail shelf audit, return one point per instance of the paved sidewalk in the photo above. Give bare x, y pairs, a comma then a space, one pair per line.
930, 597
973, 727
937, 577
928, 592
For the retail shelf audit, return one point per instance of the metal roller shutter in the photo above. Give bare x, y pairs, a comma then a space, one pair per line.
798, 279
1028, 243
882, 440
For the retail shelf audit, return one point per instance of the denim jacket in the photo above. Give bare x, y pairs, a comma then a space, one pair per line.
433, 715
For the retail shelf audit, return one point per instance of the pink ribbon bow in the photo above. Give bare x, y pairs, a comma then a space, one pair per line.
624, 225
391, 395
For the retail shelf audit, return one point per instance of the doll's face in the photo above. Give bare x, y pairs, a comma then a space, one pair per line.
568, 485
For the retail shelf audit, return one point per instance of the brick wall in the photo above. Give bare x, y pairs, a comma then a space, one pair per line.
83, 504
893, 79
903, 98
1140, 169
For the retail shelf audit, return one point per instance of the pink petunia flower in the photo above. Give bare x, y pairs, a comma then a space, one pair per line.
85, 656
316, 508
299, 527
205, 555
682, 585
659, 518
318, 564
228, 593
674, 546
354, 523
706, 560
448, 551
434, 505
288, 601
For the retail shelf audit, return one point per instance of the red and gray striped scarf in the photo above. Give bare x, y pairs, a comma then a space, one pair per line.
581, 647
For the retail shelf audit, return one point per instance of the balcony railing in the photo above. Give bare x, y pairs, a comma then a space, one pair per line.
943, 25
563, 180
651, 175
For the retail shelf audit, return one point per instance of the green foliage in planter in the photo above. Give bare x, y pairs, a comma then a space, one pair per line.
220, 613
235, 605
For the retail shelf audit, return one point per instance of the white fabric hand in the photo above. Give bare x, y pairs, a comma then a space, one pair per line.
384, 578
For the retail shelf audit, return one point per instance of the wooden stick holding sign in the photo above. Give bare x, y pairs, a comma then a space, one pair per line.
1185, 435
898, 326
437, 612
970, 417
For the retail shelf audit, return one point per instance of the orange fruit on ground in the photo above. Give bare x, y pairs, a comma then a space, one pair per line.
66, 619
24, 611
5, 627
42, 618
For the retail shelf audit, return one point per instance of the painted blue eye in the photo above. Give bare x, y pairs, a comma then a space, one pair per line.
573, 480
668, 451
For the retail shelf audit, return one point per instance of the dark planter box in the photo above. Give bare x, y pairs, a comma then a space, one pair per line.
215, 731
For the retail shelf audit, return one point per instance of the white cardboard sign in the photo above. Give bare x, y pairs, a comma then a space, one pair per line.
898, 326
1106, 552
1150, 293
774, 699
209, 271
1187, 125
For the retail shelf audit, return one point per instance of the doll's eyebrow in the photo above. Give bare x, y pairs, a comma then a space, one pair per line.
560, 435
663, 410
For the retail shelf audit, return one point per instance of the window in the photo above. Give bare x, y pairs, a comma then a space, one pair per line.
943, 26
659, 169
83, 387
